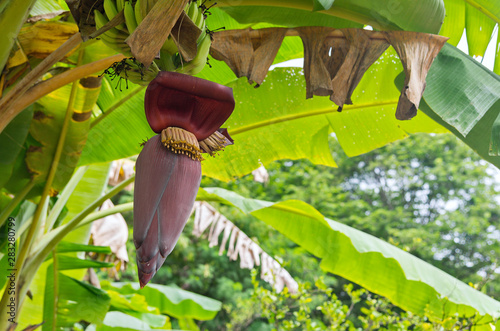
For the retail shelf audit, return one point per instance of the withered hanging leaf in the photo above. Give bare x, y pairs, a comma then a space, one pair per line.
150, 35
363, 52
265, 46
40, 39
335, 49
111, 231
416, 52
249, 53
185, 34
235, 48
240, 245
318, 81
334, 60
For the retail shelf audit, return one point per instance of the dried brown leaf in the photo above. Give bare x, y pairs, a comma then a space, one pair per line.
334, 60
318, 81
111, 231
249, 53
363, 52
335, 49
150, 35
235, 48
240, 245
185, 34
416, 52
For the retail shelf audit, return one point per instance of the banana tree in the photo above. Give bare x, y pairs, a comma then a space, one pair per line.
269, 123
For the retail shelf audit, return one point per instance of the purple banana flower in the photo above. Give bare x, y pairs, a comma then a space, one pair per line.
187, 112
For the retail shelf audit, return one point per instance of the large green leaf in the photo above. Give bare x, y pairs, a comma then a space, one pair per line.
461, 91
172, 301
407, 281
264, 129
12, 142
89, 188
478, 17
454, 22
136, 305
127, 125
76, 301
12, 16
46, 127
478, 28
422, 16
43, 7
257, 16
118, 321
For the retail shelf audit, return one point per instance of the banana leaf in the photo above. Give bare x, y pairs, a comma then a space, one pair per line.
172, 301
12, 142
76, 301
89, 188
422, 16
46, 127
119, 321
407, 281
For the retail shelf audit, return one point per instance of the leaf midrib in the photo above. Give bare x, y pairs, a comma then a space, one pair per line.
292, 117
483, 10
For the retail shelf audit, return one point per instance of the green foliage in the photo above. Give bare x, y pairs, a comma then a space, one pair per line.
406, 215
403, 193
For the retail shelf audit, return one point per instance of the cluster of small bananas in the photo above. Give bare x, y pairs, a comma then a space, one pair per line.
169, 55
129, 69
170, 59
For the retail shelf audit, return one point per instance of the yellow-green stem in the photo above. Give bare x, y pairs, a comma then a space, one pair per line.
56, 289
15, 201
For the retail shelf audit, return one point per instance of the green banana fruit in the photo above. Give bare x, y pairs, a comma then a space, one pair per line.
100, 19
193, 11
144, 7
130, 21
119, 5
200, 21
198, 63
170, 46
111, 11
137, 11
113, 38
135, 72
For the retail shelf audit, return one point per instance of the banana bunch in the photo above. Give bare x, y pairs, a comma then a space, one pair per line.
197, 15
135, 12
200, 60
114, 37
129, 69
